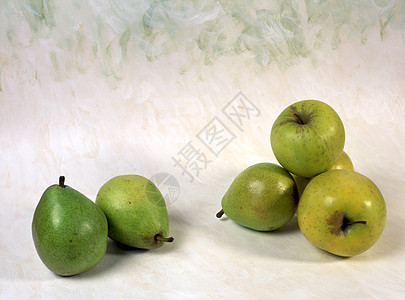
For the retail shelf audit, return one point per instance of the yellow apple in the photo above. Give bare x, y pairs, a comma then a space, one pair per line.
343, 162
342, 212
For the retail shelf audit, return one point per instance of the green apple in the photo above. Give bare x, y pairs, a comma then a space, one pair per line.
343, 162
307, 137
301, 182
342, 212
262, 197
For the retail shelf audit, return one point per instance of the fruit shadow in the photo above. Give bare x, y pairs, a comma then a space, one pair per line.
285, 243
391, 243
116, 254
288, 243
291, 226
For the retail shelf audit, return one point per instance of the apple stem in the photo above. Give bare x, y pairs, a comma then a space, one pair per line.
347, 222
220, 213
300, 121
356, 222
160, 238
62, 181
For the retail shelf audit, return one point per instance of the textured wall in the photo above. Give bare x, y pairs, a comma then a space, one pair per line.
93, 89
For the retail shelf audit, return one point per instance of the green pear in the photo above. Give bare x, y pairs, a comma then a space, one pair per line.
69, 230
262, 197
136, 212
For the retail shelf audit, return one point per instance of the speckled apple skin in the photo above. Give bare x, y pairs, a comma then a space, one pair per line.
312, 148
343, 162
262, 197
301, 182
342, 191
136, 211
69, 231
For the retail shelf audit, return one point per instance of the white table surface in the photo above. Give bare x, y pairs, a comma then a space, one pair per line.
80, 98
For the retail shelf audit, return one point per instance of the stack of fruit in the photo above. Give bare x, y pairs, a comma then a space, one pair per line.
338, 210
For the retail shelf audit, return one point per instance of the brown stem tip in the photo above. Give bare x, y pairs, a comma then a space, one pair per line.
62, 181
220, 213
299, 119
347, 223
163, 239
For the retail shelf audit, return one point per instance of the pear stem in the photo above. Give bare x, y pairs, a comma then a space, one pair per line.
220, 213
160, 238
62, 181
